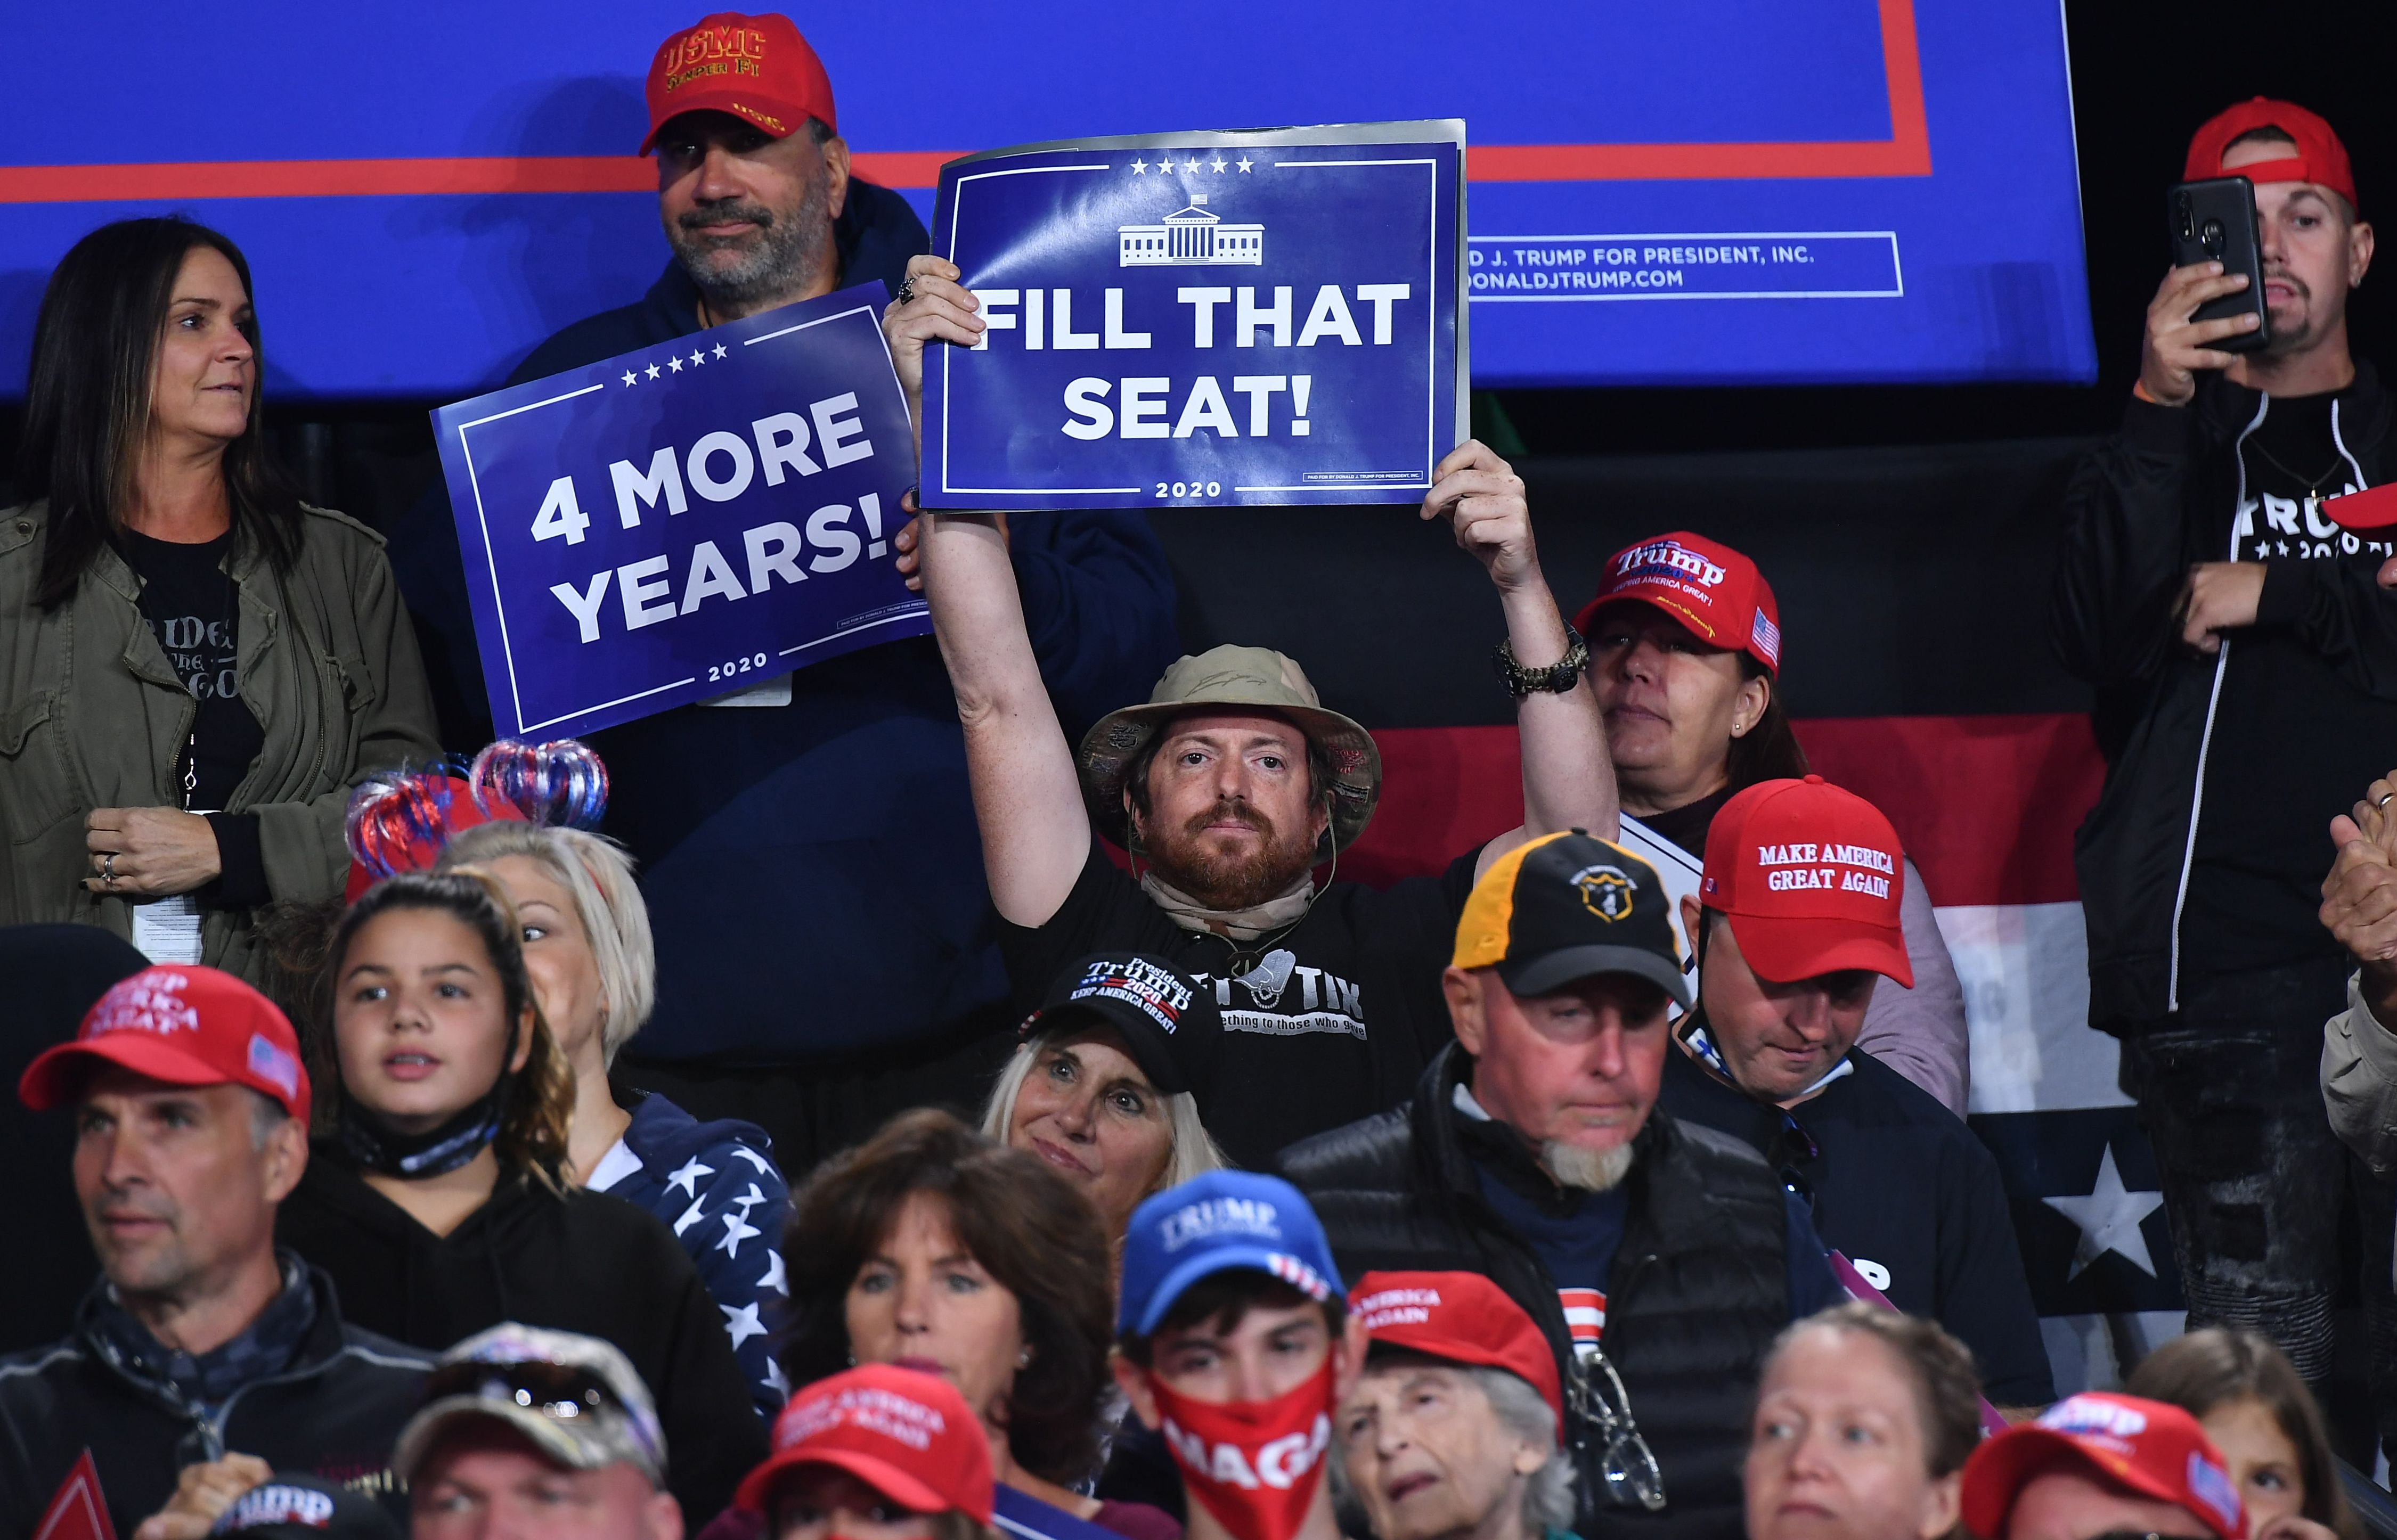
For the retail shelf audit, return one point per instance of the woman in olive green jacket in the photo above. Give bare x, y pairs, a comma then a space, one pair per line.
196, 668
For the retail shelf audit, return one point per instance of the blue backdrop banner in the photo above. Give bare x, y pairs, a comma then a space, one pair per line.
1203, 318
686, 520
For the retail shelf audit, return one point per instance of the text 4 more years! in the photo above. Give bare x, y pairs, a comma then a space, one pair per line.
721, 467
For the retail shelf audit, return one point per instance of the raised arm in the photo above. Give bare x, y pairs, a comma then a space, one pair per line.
1568, 781
1028, 801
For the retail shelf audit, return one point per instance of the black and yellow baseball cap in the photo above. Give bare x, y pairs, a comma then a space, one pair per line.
1565, 906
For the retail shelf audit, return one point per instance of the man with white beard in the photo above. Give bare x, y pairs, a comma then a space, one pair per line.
1660, 1259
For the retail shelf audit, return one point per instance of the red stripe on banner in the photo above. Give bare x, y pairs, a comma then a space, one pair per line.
1985, 805
169, 182
1907, 153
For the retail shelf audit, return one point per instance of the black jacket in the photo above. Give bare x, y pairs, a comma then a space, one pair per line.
1697, 1292
580, 1262
334, 1413
2161, 496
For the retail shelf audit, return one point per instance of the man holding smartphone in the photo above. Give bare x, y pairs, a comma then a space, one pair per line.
2245, 659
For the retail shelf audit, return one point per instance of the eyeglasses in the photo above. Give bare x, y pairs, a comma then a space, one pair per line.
1626, 1463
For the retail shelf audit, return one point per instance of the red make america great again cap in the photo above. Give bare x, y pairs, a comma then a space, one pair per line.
184, 1026
757, 67
1813, 879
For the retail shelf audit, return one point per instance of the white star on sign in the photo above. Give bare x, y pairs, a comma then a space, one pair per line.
737, 1229
690, 1218
719, 349
674, 364
653, 371
1219, 166
741, 1324
1246, 162
775, 1279
776, 1380
1139, 167
688, 1177
2109, 1218
742, 1152
629, 377
697, 357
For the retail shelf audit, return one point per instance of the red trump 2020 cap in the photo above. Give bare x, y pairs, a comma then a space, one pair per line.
184, 1026
2320, 158
2155, 1450
1463, 1318
1811, 877
1707, 587
757, 67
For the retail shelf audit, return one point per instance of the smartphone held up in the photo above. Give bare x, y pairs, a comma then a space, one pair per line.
2214, 221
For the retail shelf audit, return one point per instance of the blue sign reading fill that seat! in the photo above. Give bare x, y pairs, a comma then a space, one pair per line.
685, 521
1203, 318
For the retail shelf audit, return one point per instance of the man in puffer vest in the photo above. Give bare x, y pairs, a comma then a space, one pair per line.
1660, 1259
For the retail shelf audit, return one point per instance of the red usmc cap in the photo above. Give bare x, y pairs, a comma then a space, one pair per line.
2319, 157
1711, 588
2155, 1450
907, 1435
1461, 1317
185, 1025
757, 67
1811, 877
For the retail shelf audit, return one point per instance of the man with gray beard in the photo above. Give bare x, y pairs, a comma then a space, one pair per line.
829, 805
1660, 1259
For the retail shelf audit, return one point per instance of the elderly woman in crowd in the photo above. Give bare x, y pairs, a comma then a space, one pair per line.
1452, 1431
2246, 1395
195, 667
931, 1247
873, 1453
1864, 1420
585, 932
1685, 655
1110, 1081
440, 1202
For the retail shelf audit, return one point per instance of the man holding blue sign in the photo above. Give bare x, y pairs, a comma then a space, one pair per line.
1230, 785
827, 823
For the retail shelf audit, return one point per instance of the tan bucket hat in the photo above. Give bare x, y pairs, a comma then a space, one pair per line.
1227, 676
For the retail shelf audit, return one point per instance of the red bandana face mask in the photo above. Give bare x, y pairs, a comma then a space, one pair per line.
1253, 1465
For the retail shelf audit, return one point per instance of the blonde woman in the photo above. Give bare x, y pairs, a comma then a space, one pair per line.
440, 1202
585, 933
1108, 1084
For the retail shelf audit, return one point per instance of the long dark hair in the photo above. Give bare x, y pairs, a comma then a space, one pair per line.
1770, 750
87, 401
2218, 1364
533, 1129
1037, 1236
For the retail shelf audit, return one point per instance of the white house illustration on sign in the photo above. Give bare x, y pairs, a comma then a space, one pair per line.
1192, 237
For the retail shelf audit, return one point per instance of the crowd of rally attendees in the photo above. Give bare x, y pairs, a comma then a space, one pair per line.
459, 1158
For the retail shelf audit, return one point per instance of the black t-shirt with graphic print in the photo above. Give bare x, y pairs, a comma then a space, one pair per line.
192, 607
1334, 1023
2293, 741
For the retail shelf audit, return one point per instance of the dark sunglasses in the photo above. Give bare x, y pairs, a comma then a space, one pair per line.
556, 1390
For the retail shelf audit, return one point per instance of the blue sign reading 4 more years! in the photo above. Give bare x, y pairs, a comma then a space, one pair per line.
685, 521
1262, 317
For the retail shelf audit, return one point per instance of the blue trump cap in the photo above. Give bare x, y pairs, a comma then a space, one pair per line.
1216, 1223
